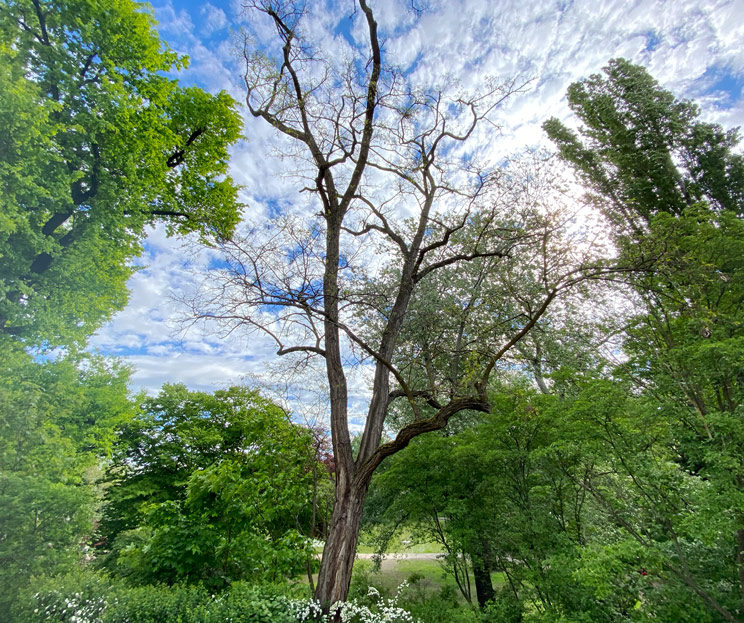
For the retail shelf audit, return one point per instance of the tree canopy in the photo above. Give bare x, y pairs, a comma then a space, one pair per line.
644, 151
57, 423
97, 143
209, 488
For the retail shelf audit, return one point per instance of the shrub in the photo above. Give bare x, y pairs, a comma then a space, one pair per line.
79, 597
86, 597
157, 604
505, 608
243, 603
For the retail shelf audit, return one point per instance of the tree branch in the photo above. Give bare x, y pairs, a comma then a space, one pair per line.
437, 422
179, 155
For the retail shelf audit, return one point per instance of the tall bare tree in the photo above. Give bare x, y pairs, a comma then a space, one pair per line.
415, 265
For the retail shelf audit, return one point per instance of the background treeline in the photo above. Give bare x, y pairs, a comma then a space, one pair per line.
605, 484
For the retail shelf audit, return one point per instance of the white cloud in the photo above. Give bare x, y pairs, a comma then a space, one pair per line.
555, 42
213, 19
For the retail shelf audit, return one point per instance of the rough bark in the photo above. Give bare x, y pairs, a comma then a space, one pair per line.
483, 586
340, 548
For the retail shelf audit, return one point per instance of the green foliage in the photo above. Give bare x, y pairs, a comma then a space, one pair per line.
668, 465
668, 537
90, 598
97, 144
496, 499
56, 423
208, 488
505, 608
577, 499
644, 151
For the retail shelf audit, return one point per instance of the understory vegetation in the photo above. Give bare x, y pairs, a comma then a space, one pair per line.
555, 430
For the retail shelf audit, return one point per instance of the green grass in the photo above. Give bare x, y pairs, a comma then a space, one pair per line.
430, 577
402, 542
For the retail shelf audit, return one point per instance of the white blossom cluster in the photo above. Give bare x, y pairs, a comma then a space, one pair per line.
55, 608
385, 611
306, 610
72, 609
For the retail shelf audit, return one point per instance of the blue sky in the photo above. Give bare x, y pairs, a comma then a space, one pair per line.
694, 48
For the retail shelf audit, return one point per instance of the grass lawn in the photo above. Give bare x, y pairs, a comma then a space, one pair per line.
427, 577
402, 542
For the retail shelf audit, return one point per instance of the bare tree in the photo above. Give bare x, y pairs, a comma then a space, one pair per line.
408, 225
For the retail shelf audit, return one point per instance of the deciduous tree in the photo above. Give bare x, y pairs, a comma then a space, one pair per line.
57, 422
97, 143
209, 488
674, 188
394, 183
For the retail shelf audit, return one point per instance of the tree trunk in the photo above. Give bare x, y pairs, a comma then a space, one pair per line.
740, 560
340, 548
483, 586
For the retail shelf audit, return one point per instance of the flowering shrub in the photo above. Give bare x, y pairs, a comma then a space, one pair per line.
383, 610
92, 598
74, 608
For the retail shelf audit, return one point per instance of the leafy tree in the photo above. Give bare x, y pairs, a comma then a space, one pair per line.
664, 549
672, 185
644, 151
97, 144
209, 487
57, 421
495, 498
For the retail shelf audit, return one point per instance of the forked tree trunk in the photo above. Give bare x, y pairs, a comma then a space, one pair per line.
340, 548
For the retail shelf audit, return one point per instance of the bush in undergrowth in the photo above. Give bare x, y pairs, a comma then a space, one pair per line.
94, 598
86, 597
505, 608
78, 597
244, 603
155, 604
